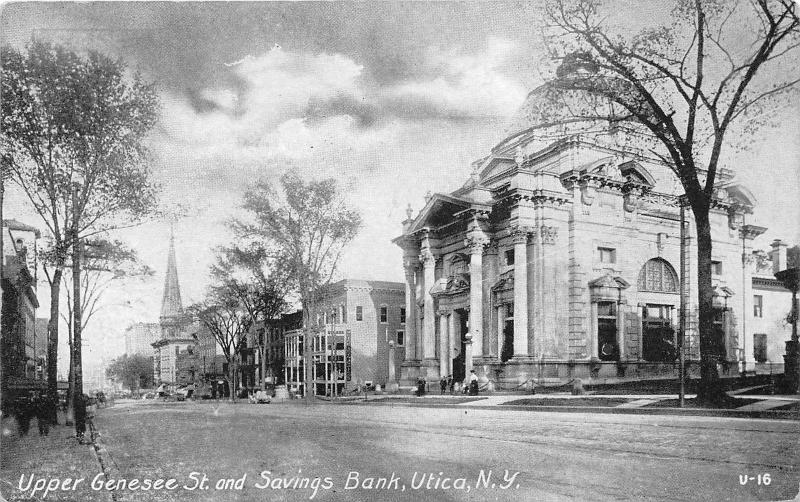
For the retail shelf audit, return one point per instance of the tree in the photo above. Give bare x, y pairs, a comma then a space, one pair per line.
246, 273
695, 84
243, 293
304, 228
228, 321
104, 262
135, 371
72, 138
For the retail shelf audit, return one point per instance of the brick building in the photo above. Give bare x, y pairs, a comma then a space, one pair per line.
560, 257
356, 321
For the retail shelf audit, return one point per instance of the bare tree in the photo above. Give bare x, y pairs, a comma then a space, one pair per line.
228, 321
697, 83
72, 138
304, 228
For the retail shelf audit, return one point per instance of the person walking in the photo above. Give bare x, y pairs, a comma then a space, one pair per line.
42, 409
22, 413
91, 411
443, 384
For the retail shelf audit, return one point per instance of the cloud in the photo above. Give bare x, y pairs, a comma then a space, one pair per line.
465, 85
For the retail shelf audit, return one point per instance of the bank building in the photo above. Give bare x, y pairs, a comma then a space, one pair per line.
560, 258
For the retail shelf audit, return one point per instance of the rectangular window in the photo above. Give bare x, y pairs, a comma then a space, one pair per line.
509, 256
401, 338
359, 313
760, 347
758, 306
716, 267
402, 315
384, 314
607, 255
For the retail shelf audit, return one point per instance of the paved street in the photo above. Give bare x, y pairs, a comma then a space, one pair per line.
557, 456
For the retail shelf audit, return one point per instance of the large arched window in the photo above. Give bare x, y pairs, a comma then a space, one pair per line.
657, 275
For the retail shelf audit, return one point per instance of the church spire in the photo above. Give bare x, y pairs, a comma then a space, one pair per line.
171, 303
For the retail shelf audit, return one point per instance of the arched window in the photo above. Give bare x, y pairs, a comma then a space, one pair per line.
657, 275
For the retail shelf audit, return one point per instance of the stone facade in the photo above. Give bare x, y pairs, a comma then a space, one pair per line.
560, 257
356, 320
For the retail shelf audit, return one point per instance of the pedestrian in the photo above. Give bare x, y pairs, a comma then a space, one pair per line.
473, 383
43, 409
22, 412
79, 405
443, 384
451, 382
91, 411
420, 387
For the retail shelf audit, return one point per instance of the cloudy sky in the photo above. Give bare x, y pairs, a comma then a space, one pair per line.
393, 99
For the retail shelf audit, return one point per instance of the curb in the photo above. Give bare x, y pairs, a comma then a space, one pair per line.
106, 465
699, 412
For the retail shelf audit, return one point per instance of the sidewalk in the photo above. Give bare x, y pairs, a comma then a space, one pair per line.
55, 456
764, 407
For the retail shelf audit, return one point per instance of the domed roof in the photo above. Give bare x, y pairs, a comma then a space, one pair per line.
552, 105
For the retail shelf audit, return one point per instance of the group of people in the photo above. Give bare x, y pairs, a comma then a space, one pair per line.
468, 386
39, 405
36, 404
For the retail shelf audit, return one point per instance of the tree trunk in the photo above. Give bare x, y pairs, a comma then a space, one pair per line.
711, 343
52, 339
232, 378
70, 420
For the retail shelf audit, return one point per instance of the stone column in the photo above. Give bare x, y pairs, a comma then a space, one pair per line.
467, 356
453, 339
410, 265
428, 261
490, 272
476, 243
520, 239
593, 346
391, 384
501, 324
444, 345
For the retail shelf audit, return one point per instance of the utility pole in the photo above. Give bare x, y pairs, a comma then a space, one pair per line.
80, 412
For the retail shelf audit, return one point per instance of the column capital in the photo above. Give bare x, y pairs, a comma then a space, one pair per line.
519, 234
426, 256
476, 242
410, 263
547, 234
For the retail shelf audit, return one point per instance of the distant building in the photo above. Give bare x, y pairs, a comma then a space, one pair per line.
23, 359
263, 352
177, 328
139, 338
357, 319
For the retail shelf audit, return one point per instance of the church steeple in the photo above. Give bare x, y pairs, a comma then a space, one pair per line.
171, 303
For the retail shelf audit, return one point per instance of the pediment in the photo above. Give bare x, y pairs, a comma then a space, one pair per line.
607, 281
495, 166
636, 173
741, 194
440, 210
